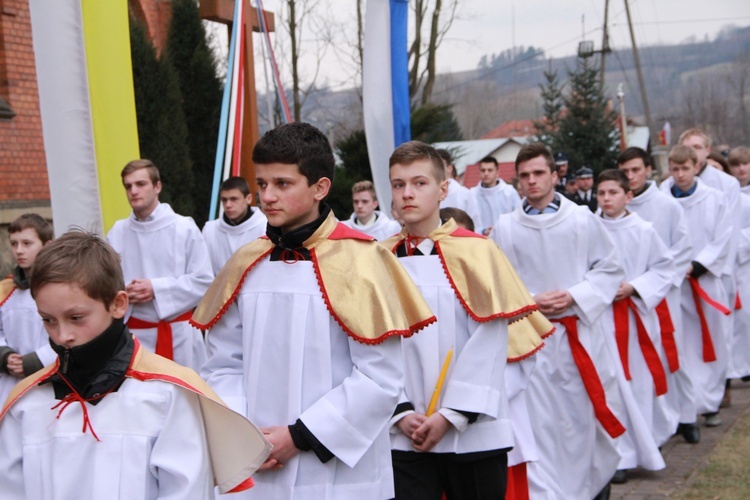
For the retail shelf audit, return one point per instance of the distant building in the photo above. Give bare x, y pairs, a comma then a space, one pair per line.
466, 156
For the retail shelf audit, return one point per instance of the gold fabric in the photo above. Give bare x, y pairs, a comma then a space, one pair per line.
237, 448
487, 286
6, 289
364, 287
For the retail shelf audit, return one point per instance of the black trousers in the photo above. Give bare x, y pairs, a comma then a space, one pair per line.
470, 476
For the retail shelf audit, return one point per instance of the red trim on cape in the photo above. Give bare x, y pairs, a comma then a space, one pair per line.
537, 349
232, 298
344, 232
10, 276
465, 233
42, 378
524, 311
404, 333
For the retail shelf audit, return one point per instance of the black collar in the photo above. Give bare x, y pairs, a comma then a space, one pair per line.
244, 218
290, 245
20, 279
97, 367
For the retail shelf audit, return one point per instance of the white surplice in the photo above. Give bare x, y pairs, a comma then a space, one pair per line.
277, 355
223, 239
381, 228
22, 330
152, 446
501, 198
668, 218
170, 251
517, 376
475, 380
710, 231
650, 271
567, 250
739, 347
460, 197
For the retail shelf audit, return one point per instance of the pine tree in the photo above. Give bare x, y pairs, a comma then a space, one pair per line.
355, 167
587, 132
435, 123
552, 103
162, 134
195, 66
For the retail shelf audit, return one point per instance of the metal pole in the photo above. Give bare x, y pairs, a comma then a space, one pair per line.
641, 83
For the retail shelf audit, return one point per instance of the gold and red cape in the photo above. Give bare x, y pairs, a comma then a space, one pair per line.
487, 286
237, 448
364, 287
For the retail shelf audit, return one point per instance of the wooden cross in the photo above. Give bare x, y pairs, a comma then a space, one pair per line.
222, 11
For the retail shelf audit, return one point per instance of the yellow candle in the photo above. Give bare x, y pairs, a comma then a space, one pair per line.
439, 385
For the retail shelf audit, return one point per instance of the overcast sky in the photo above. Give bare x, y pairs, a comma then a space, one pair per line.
556, 26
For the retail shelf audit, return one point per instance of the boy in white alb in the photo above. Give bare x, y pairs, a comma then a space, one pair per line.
633, 333
676, 411
573, 389
452, 429
304, 330
458, 196
166, 266
24, 345
739, 361
492, 195
366, 218
704, 307
239, 224
108, 419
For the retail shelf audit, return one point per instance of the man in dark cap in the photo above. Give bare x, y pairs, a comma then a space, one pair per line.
585, 194
561, 166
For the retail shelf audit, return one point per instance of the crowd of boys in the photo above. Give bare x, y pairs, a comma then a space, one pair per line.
502, 346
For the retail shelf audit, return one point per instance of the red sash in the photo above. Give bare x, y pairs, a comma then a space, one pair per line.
590, 378
164, 345
737, 301
622, 332
517, 486
709, 354
667, 335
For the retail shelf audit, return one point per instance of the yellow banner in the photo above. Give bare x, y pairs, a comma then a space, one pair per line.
110, 75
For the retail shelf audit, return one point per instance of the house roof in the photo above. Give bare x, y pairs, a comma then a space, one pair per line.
469, 152
513, 128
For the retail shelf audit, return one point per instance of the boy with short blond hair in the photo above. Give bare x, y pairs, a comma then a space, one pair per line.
366, 217
704, 305
304, 330
115, 420
452, 430
23, 342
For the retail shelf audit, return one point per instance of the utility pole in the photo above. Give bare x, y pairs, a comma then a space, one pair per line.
641, 83
605, 42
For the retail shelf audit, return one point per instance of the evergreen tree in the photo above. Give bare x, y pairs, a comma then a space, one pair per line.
162, 134
587, 133
354, 167
435, 123
552, 103
195, 65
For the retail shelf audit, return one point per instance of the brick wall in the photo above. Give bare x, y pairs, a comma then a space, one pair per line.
23, 167
156, 14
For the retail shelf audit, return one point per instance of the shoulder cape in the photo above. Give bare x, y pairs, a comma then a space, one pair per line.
7, 287
487, 286
237, 448
364, 287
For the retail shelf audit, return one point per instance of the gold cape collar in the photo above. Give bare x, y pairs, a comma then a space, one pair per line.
487, 286
364, 287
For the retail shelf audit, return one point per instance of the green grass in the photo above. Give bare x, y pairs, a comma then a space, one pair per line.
727, 473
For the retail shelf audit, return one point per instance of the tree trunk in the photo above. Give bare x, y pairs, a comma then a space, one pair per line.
431, 53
